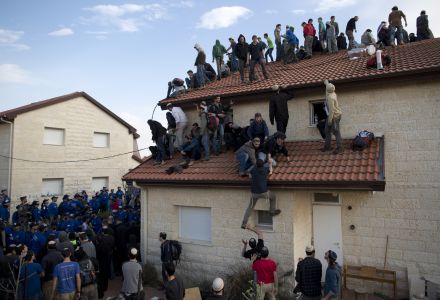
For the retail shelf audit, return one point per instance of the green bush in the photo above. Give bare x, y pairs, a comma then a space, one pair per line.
239, 281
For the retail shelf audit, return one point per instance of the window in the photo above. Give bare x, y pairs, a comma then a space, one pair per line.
195, 223
98, 183
327, 198
317, 112
53, 136
264, 219
101, 140
52, 186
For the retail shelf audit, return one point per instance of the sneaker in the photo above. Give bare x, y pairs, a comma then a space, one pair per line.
276, 212
191, 162
325, 149
162, 163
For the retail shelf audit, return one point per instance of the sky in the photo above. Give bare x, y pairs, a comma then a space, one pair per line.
123, 53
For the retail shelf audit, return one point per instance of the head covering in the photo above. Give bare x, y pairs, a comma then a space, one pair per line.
275, 87
310, 249
218, 285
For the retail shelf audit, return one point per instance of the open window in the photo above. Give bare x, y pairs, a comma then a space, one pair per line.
316, 112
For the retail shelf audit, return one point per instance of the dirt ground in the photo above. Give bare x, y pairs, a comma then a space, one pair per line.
114, 286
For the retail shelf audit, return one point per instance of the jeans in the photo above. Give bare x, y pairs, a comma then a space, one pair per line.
350, 37
332, 45
253, 201
289, 53
262, 63
234, 63
269, 53
193, 148
245, 163
201, 76
217, 138
160, 143
179, 134
280, 50
218, 61
308, 44
396, 32
205, 144
333, 128
89, 292
241, 65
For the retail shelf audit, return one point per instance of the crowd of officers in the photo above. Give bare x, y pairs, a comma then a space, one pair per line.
99, 233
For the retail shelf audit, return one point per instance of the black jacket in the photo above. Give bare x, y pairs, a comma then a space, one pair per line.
278, 109
171, 121
351, 25
241, 50
157, 130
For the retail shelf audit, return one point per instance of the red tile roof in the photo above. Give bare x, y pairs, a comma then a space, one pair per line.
11, 114
309, 168
413, 58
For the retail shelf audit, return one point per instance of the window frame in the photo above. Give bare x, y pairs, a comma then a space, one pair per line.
312, 111
101, 133
339, 198
53, 179
264, 226
107, 183
190, 239
54, 128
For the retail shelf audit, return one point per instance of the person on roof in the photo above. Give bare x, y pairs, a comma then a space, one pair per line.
270, 48
232, 55
158, 133
191, 150
278, 109
247, 156
309, 32
202, 110
332, 31
272, 147
423, 31
383, 35
218, 50
334, 114
181, 123
175, 87
322, 33
242, 52
200, 64
290, 46
258, 128
277, 35
191, 80
367, 38
395, 20
217, 110
341, 41
256, 57
210, 72
349, 31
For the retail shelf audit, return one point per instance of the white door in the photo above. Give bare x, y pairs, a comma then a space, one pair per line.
327, 232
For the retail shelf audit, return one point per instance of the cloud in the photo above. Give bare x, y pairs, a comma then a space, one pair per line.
271, 11
223, 17
11, 38
126, 17
183, 3
11, 73
326, 5
298, 11
62, 32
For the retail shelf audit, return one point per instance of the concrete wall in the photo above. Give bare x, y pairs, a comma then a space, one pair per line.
210, 260
80, 118
5, 132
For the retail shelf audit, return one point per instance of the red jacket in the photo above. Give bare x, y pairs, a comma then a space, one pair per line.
309, 30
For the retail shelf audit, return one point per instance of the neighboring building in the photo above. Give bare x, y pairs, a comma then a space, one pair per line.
72, 127
336, 202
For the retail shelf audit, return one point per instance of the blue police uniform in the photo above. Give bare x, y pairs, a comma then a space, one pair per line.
52, 209
4, 213
36, 214
44, 211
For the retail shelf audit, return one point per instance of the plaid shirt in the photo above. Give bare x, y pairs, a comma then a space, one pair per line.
308, 275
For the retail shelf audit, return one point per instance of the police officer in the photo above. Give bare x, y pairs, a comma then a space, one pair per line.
53, 209
4, 210
44, 209
119, 193
35, 211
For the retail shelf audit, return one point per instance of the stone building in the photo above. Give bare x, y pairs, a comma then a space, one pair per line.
351, 203
71, 129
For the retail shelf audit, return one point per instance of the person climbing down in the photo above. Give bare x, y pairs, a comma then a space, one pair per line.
259, 190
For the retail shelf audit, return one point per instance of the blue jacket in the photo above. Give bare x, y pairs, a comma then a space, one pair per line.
53, 209
258, 130
4, 213
332, 280
291, 38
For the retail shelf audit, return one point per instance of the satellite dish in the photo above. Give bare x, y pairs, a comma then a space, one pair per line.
371, 50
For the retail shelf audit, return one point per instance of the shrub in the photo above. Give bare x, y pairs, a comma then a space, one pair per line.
238, 281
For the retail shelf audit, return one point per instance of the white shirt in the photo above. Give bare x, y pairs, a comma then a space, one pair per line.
179, 115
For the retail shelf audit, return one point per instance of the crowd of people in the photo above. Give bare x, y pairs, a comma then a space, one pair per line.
327, 37
70, 250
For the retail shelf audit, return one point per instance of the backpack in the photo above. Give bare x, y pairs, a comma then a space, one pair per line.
213, 122
87, 272
178, 82
175, 249
362, 140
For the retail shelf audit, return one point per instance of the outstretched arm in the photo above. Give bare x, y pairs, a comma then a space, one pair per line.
257, 231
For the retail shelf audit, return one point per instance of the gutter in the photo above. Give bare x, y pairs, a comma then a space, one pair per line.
11, 132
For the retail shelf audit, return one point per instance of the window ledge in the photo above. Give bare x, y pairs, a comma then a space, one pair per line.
265, 228
196, 242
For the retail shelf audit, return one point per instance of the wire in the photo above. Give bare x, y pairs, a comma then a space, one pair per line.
70, 161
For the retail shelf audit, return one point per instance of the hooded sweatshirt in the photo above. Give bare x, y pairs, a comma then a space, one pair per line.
242, 49
201, 56
218, 50
332, 104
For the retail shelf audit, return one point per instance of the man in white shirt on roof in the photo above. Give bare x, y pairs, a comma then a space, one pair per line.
181, 123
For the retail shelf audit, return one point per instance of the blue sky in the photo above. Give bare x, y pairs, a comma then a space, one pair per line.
123, 53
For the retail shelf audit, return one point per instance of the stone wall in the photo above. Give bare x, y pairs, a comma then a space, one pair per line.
4, 150
80, 118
